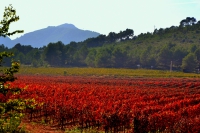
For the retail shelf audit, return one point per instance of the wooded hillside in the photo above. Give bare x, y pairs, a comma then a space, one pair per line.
176, 46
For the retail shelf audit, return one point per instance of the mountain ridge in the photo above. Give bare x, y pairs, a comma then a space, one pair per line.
65, 33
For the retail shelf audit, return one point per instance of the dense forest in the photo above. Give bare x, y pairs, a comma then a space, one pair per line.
176, 47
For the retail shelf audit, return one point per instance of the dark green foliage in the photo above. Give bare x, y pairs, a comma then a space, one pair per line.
23, 49
119, 58
7, 74
54, 54
91, 58
147, 59
188, 21
103, 57
189, 63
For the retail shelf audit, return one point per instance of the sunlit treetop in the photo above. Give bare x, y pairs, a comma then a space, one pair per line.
9, 16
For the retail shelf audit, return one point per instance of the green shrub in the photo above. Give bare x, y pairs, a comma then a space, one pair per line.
10, 108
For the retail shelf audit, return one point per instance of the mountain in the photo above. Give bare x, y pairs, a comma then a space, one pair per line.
6, 41
64, 33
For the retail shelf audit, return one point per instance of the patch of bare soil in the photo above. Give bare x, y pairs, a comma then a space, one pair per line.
33, 127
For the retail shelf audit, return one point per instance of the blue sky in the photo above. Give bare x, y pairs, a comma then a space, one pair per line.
102, 16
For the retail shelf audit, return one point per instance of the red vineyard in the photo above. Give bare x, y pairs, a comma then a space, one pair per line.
114, 105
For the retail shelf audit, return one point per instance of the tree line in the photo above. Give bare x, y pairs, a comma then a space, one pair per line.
176, 47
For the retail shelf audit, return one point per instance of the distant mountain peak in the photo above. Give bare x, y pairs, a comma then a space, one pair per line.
51, 34
66, 25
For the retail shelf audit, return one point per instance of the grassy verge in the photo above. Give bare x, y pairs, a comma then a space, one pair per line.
105, 72
77, 130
